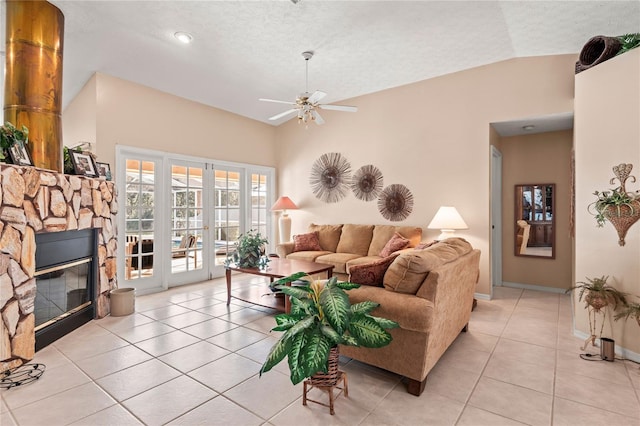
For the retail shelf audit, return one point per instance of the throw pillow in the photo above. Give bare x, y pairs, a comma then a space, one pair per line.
306, 242
370, 273
397, 242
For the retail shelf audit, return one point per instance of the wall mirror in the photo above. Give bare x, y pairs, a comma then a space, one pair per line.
535, 220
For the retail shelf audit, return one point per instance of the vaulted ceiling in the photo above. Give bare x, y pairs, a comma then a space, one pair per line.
245, 50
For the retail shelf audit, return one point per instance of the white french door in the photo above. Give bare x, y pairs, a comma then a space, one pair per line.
140, 221
188, 228
182, 216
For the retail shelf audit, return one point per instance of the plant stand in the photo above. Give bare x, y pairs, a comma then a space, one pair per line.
327, 382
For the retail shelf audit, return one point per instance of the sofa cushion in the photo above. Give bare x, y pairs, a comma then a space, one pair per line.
410, 312
338, 260
328, 235
408, 271
355, 239
397, 242
309, 256
306, 242
383, 233
370, 273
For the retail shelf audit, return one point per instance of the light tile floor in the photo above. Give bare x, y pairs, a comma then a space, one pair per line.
186, 358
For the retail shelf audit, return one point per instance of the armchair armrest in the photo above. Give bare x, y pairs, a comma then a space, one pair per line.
284, 249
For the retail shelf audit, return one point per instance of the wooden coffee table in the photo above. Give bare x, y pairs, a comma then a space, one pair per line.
277, 268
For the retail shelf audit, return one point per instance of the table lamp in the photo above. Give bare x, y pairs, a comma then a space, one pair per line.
447, 220
284, 223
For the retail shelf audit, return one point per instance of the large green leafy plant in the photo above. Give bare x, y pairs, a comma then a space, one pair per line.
9, 136
322, 317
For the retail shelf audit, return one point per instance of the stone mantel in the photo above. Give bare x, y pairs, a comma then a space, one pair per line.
36, 201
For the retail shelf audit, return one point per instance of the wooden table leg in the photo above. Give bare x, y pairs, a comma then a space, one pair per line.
228, 275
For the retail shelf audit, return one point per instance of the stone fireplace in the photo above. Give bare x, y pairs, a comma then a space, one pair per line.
36, 201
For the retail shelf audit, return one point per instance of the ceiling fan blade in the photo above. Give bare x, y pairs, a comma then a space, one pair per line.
282, 114
345, 108
317, 118
276, 101
316, 96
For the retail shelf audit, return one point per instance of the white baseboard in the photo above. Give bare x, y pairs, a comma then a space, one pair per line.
534, 287
620, 351
482, 296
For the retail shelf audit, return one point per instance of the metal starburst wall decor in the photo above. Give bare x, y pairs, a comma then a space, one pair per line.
367, 183
395, 202
330, 177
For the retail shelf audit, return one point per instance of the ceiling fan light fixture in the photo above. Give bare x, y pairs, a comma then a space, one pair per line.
183, 37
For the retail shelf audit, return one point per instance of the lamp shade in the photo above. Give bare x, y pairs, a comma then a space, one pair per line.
284, 203
447, 218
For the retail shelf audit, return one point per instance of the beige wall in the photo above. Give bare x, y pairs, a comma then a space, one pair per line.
432, 136
537, 159
130, 114
79, 118
607, 133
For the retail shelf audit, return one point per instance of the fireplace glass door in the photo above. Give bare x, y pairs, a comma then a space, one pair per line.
62, 290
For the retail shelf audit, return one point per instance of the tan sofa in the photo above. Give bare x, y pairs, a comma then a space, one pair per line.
429, 293
349, 244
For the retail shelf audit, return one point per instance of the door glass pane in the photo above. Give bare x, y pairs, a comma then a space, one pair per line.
226, 215
140, 218
259, 211
186, 233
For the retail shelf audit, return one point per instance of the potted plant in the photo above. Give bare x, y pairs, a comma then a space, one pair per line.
250, 250
598, 294
630, 310
321, 318
9, 136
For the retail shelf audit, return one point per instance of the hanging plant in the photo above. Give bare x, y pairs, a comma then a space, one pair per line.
618, 206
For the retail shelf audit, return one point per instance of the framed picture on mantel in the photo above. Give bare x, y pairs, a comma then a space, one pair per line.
104, 170
20, 154
83, 164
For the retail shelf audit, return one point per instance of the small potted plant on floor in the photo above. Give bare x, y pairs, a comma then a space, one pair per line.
321, 318
631, 310
598, 295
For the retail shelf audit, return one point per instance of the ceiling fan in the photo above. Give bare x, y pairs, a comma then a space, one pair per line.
306, 104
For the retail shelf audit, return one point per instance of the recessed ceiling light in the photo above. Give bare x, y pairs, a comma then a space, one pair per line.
528, 127
186, 38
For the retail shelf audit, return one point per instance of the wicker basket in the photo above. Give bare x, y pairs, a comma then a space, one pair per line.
327, 382
622, 218
598, 49
330, 378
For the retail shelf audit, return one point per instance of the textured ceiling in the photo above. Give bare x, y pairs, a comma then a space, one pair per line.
245, 50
